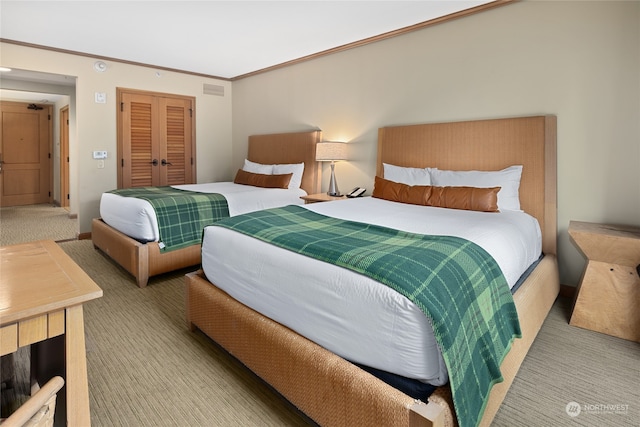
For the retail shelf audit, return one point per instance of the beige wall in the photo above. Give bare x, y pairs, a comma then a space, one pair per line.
577, 60
95, 124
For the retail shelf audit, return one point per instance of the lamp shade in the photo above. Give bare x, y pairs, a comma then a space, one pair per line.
329, 151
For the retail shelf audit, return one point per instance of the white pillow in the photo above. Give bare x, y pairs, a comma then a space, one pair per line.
508, 179
253, 167
295, 168
408, 176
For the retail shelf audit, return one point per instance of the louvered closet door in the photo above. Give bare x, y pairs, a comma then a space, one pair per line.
175, 147
156, 145
140, 157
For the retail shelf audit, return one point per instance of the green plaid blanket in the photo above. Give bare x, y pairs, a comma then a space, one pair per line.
455, 282
182, 215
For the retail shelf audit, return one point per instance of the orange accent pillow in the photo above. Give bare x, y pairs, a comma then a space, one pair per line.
261, 180
403, 193
467, 198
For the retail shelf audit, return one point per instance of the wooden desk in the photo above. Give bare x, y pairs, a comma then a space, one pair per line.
608, 296
41, 295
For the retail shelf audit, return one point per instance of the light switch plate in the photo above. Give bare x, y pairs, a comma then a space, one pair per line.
101, 98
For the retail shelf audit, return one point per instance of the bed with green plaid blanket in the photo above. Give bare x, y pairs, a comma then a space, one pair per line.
181, 214
455, 282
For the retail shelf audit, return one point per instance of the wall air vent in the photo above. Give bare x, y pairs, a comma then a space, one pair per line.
213, 89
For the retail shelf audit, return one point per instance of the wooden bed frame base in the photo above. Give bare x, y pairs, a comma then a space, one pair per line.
333, 391
142, 260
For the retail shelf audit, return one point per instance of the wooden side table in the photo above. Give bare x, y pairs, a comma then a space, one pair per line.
608, 296
320, 197
41, 296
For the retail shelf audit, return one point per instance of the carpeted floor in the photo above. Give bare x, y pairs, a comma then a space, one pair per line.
19, 224
146, 369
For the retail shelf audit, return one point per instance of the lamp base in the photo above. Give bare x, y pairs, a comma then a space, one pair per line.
333, 184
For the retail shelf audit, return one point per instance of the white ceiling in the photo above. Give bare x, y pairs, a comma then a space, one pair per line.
35, 97
37, 77
218, 38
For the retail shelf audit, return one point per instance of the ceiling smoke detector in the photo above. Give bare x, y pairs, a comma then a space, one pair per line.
100, 66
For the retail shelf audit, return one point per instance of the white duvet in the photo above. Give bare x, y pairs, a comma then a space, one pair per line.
350, 314
137, 219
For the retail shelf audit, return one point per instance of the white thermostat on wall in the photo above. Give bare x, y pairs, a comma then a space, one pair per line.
99, 154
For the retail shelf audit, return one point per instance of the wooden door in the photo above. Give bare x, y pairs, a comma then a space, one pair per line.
138, 142
25, 154
176, 152
64, 157
156, 144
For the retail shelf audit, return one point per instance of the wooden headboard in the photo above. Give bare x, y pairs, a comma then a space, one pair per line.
486, 145
285, 148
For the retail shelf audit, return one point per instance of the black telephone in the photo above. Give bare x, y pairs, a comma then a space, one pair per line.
356, 192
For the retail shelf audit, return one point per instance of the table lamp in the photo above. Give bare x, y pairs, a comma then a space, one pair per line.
327, 151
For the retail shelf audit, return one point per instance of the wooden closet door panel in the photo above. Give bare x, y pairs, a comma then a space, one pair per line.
140, 162
176, 148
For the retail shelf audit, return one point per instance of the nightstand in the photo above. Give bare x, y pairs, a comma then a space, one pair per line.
608, 297
320, 197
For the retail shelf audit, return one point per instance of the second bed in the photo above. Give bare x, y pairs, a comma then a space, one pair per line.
129, 231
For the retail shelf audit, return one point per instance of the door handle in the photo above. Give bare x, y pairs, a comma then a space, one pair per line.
165, 163
154, 162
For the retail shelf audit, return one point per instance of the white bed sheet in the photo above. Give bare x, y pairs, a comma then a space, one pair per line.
350, 314
137, 219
